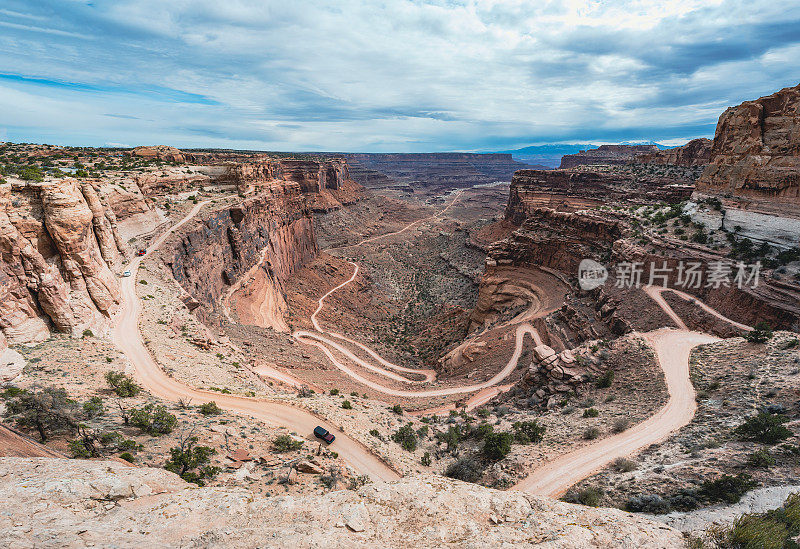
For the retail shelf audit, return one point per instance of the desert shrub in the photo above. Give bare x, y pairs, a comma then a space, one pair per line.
191, 462
406, 437
481, 431
422, 432
591, 433
496, 446
210, 409
605, 380
346, 405
591, 496
650, 503
452, 437
620, 424
624, 465
467, 469
127, 456
760, 333
78, 450
122, 385
727, 488
47, 411
482, 412
685, 500
286, 443
761, 458
375, 433
591, 412
771, 530
426, 459
526, 432
765, 428
93, 407
397, 409
334, 392
153, 419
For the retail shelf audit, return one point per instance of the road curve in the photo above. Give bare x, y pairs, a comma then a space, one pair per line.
127, 336
321, 339
672, 349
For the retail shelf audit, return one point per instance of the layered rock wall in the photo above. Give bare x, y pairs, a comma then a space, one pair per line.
570, 190
606, 154
268, 236
560, 240
756, 153
59, 242
696, 152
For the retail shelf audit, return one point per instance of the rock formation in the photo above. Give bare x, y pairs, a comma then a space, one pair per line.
74, 503
58, 240
267, 236
606, 154
325, 183
560, 240
696, 152
434, 172
756, 153
160, 152
570, 190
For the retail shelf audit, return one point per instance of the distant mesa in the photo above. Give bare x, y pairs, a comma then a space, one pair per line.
613, 155
696, 152
161, 152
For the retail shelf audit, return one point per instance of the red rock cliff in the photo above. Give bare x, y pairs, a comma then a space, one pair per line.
756, 152
266, 237
696, 152
58, 241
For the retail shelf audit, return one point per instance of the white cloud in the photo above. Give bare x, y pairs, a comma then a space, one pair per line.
399, 75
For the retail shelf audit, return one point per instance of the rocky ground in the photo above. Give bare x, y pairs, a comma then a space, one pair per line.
734, 380
60, 503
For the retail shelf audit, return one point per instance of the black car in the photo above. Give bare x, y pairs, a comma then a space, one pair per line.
323, 433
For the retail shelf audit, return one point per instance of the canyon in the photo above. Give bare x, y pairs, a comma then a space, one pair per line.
429, 310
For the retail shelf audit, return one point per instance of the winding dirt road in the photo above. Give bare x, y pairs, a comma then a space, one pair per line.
338, 354
672, 348
127, 336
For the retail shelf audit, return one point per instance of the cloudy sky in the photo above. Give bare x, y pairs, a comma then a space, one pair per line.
385, 75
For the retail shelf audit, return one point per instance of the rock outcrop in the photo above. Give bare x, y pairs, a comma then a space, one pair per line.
266, 237
756, 153
74, 503
606, 155
58, 241
696, 152
160, 152
560, 240
570, 190
325, 183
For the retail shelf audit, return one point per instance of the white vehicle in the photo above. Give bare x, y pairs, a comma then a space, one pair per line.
126, 273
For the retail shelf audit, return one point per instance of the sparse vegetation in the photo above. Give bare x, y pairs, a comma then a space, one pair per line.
286, 443
123, 385
210, 409
48, 411
406, 437
153, 419
191, 462
496, 446
765, 428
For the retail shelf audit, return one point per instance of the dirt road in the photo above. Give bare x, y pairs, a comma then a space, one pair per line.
128, 338
672, 349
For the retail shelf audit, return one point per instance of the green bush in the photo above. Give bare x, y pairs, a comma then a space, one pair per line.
771, 530
191, 462
467, 469
761, 458
210, 409
334, 392
406, 437
591, 412
527, 432
727, 488
47, 411
397, 409
426, 459
605, 380
765, 428
127, 456
346, 405
286, 443
650, 503
93, 407
591, 433
153, 419
760, 333
496, 446
591, 496
123, 386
